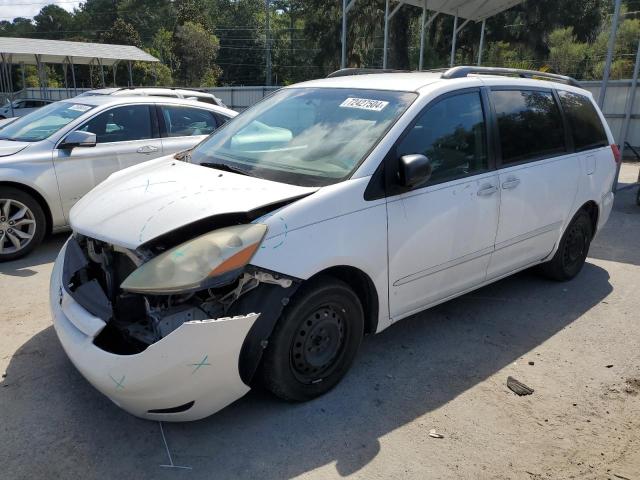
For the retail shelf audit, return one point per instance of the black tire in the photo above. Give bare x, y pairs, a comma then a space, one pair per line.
314, 342
573, 249
37, 229
638, 197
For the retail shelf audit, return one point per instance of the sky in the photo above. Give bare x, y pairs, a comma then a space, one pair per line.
9, 9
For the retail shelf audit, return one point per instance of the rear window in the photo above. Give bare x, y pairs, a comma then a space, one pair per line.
529, 123
586, 127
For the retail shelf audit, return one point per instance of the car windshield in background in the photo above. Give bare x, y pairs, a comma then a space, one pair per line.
43, 122
305, 136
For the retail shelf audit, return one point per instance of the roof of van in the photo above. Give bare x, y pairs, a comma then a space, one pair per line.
415, 81
408, 82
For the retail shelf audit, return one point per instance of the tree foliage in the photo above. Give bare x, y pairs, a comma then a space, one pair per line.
224, 42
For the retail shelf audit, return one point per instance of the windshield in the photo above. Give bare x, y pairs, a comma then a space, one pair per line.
305, 136
43, 122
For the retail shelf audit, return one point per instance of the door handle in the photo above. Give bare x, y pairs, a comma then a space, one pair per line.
487, 190
511, 183
147, 149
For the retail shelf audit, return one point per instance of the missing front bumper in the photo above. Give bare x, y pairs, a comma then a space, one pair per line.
197, 362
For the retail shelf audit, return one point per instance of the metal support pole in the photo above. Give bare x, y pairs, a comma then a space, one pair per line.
114, 69
453, 40
607, 65
102, 73
73, 76
628, 112
64, 69
422, 29
22, 74
130, 73
268, 43
343, 60
386, 34
481, 42
2, 87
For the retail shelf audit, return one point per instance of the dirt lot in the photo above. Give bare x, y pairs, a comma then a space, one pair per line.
577, 344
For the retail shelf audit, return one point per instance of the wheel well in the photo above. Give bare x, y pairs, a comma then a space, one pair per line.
592, 209
365, 290
38, 198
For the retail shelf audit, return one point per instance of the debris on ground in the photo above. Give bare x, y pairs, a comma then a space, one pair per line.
532, 363
609, 366
434, 434
518, 388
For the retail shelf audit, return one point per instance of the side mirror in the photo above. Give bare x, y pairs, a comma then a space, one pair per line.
413, 170
79, 139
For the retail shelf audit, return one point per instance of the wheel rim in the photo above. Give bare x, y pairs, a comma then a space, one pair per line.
576, 246
318, 342
17, 226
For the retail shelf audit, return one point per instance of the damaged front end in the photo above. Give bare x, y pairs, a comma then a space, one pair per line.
96, 274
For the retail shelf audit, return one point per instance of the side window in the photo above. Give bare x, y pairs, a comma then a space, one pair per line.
586, 126
529, 124
121, 124
186, 121
452, 134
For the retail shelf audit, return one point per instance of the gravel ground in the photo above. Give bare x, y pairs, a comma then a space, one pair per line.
576, 344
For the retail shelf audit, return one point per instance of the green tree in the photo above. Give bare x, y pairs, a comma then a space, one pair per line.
567, 55
197, 49
53, 22
122, 33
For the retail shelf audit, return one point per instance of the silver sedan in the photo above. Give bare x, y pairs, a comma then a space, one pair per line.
50, 158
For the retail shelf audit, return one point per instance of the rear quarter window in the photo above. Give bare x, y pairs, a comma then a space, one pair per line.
586, 126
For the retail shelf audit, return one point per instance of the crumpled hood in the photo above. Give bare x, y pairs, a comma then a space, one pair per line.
143, 202
8, 147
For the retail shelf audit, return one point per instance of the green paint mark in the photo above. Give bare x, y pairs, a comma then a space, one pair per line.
119, 384
200, 364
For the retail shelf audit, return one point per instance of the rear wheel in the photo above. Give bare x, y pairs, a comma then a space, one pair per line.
573, 249
315, 341
22, 223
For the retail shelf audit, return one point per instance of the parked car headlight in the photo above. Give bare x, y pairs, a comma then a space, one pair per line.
199, 263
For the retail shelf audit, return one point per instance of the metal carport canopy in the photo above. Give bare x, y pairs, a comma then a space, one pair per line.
474, 10
25, 50
468, 10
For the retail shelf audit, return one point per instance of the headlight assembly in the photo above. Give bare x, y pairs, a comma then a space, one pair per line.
199, 263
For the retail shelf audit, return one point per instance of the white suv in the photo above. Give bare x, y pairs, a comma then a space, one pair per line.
329, 210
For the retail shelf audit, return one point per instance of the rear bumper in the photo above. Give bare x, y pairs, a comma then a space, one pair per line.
193, 370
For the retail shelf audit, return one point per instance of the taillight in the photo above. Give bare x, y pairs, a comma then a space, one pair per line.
616, 153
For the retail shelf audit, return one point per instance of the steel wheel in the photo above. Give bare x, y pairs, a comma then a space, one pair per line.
576, 247
314, 341
573, 249
318, 342
17, 226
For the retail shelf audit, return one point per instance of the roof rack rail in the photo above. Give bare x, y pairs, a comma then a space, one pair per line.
345, 72
463, 71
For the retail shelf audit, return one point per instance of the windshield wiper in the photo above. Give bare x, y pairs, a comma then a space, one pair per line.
226, 168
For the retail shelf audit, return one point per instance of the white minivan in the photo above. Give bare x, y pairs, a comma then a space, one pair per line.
329, 210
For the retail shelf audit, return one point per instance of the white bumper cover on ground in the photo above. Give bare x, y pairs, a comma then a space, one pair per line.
197, 362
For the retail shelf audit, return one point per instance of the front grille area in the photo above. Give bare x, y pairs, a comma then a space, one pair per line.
92, 274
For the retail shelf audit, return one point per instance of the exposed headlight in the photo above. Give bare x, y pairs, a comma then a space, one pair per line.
199, 263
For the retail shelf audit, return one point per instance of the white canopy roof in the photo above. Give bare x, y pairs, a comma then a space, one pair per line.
24, 50
475, 10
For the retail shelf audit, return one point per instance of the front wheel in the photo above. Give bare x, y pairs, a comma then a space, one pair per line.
315, 341
573, 249
22, 223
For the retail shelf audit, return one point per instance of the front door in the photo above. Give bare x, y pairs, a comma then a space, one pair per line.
441, 234
125, 136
